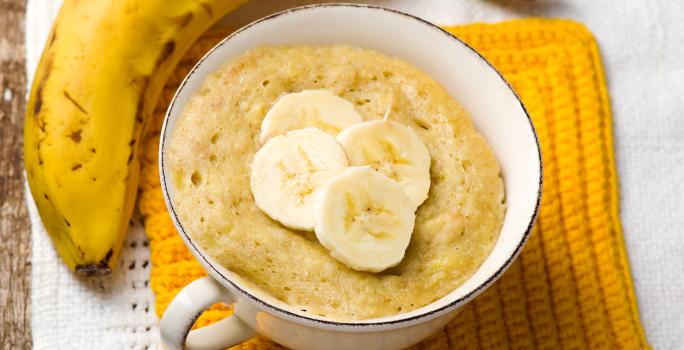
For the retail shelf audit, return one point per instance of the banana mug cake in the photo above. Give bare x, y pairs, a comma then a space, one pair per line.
339, 180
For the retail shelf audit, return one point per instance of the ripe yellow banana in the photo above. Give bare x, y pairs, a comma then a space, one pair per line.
97, 83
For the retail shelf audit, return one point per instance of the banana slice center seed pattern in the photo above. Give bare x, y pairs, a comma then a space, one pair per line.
358, 192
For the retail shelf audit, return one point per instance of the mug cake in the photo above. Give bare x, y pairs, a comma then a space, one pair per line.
339, 180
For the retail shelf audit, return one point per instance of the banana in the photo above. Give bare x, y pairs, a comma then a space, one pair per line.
309, 108
364, 218
392, 149
97, 83
288, 171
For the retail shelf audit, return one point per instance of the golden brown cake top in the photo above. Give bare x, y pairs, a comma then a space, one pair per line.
217, 135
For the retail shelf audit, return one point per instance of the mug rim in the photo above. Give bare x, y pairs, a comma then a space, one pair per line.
355, 325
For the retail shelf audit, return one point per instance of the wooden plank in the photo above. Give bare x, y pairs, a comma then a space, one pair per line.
15, 235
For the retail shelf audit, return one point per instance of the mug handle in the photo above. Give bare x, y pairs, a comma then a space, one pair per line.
188, 305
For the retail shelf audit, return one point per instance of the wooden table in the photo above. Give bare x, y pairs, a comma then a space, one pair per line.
15, 234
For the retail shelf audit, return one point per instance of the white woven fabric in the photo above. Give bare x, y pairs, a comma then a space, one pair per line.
68, 312
642, 46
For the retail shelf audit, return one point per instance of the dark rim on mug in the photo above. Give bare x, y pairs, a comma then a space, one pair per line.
360, 324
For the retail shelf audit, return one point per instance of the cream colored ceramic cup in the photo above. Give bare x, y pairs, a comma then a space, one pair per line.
497, 114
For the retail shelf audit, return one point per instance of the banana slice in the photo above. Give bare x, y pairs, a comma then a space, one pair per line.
392, 149
288, 171
364, 218
310, 108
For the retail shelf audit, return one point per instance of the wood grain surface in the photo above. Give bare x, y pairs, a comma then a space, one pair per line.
15, 235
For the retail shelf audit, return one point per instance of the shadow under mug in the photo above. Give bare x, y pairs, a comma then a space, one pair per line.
497, 114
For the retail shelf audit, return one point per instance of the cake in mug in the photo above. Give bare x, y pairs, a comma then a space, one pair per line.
210, 157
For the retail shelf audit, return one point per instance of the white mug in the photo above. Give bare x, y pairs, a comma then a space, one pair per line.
497, 113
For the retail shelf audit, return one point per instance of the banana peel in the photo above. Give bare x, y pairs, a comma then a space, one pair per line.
101, 73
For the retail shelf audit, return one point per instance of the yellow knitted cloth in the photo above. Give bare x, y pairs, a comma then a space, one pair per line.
571, 287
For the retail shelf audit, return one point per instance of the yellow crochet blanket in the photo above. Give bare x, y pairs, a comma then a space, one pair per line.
571, 287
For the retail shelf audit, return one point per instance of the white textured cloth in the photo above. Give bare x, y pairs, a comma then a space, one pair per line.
69, 312
642, 45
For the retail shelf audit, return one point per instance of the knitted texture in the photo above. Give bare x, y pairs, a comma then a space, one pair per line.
571, 286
